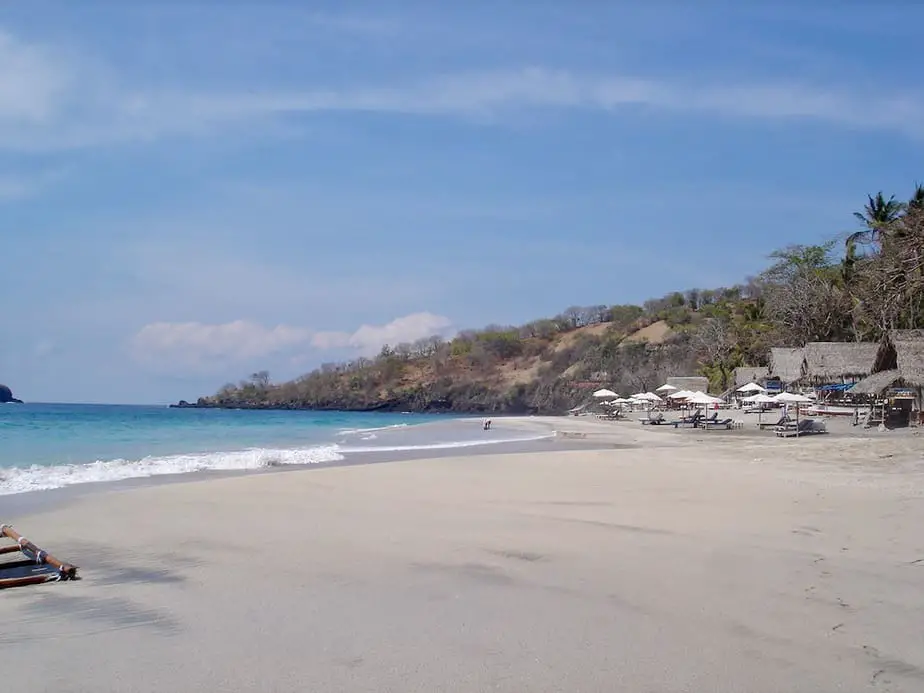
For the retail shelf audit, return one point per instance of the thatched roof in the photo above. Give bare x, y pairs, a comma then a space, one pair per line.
831, 361
786, 363
909, 352
876, 383
899, 360
693, 383
749, 374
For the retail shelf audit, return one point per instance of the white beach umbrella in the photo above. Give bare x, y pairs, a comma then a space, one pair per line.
751, 387
703, 398
791, 397
680, 394
605, 393
665, 388
648, 396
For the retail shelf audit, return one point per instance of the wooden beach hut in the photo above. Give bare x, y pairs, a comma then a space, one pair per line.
897, 378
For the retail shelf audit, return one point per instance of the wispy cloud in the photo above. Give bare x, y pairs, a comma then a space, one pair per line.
493, 93
51, 101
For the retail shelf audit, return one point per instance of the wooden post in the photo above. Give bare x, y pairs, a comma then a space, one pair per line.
66, 570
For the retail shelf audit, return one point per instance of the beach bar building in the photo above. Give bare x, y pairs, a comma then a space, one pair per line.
836, 366
898, 377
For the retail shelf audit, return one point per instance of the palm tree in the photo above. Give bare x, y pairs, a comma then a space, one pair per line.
877, 214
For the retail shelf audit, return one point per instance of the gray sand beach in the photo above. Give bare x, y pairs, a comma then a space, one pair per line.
651, 561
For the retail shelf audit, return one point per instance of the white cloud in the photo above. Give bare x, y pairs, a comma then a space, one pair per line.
200, 346
49, 100
32, 82
490, 94
369, 339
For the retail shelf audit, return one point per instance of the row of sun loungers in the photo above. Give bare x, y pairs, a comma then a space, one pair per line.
784, 426
695, 421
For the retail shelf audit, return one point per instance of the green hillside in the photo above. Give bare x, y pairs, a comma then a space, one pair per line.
849, 289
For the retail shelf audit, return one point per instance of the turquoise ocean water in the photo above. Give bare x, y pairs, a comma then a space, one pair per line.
46, 446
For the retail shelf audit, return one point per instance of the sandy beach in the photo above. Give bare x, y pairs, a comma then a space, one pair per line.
653, 562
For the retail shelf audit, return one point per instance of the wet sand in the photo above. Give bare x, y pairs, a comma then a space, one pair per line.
675, 562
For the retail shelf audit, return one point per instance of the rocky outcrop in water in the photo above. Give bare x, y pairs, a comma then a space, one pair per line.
6, 396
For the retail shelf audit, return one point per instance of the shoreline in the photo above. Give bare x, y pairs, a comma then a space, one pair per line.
551, 433
28, 503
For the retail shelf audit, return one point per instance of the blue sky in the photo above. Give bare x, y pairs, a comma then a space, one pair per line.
193, 191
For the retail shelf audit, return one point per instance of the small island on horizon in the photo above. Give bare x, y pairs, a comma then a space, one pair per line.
6, 396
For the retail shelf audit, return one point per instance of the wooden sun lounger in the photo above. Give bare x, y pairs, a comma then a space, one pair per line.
726, 423
693, 421
782, 421
35, 565
806, 427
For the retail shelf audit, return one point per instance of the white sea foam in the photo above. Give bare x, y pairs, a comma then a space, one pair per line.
42, 478
38, 478
447, 445
356, 431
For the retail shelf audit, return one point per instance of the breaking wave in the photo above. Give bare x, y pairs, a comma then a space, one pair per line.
39, 478
15, 480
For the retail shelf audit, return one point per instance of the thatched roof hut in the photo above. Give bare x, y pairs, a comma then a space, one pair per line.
899, 368
750, 374
693, 383
876, 383
907, 348
839, 362
899, 361
787, 363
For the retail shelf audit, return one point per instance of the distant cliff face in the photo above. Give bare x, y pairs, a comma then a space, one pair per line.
6, 395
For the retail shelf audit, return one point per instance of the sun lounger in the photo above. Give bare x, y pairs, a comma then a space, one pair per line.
725, 423
804, 428
705, 421
783, 420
